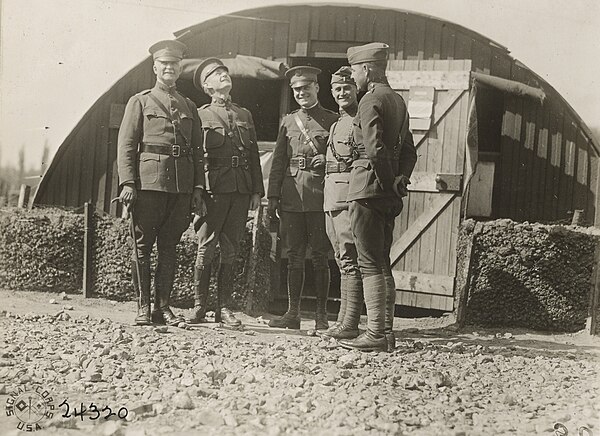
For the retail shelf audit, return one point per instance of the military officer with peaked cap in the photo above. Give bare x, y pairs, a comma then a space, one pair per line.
296, 191
378, 181
233, 181
340, 154
162, 178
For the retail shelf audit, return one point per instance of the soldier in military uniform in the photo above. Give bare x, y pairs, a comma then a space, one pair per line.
378, 181
340, 154
162, 177
296, 191
233, 181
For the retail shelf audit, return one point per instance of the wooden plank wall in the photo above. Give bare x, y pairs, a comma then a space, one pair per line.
547, 160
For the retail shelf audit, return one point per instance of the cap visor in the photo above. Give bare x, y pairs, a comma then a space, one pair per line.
167, 58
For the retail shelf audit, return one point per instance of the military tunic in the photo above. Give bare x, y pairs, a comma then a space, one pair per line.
337, 178
233, 173
299, 186
165, 164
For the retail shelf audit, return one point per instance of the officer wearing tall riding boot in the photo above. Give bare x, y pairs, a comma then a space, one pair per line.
376, 189
340, 154
234, 184
296, 192
162, 177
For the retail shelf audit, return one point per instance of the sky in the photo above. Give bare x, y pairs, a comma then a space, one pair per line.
57, 57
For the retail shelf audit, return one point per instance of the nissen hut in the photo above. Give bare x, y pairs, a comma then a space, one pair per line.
494, 139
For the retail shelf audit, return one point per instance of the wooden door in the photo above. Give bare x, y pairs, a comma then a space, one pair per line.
424, 250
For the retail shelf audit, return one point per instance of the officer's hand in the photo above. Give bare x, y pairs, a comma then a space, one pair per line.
318, 161
128, 195
198, 203
272, 207
400, 186
254, 201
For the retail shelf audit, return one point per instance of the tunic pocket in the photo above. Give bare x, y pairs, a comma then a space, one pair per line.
156, 121
214, 135
149, 167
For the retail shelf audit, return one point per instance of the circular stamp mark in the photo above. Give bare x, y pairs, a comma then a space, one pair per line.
31, 405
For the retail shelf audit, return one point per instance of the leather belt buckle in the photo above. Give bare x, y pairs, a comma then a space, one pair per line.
302, 163
235, 161
175, 150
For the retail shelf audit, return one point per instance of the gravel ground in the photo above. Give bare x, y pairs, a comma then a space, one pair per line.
210, 380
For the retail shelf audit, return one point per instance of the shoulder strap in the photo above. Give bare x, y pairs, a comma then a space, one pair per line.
228, 131
305, 133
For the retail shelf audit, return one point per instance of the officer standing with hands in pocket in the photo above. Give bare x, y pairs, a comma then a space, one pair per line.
378, 181
159, 160
296, 193
234, 184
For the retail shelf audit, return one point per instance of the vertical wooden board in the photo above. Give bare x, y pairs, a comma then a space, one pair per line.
246, 34
281, 29
365, 20
414, 43
462, 46
411, 258
326, 24
481, 56
264, 39
448, 41
400, 227
341, 26
542, 156
593, 212
87, 166
397, 65
529, 161
400, 35
581, 180
556, 162
314, 24
299, 30
427, 240
570, 136
230, 37
433, 40
112, 189
76, 180
501, 64
383, 30
514, 137
99, 179
423, 300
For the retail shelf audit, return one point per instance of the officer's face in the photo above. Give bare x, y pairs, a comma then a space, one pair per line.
219, 81
344, 94
306, 95
167, 71
359, 74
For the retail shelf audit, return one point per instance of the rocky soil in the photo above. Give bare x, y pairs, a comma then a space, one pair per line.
209, 380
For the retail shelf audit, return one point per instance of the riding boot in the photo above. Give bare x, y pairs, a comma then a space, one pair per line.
291, 319
201, 287
322, 290
351, 286
224, 290
390, 306
374, 338
163, 284
142, 291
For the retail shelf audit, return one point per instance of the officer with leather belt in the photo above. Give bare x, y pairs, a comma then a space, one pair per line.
296, 191
233, 181
162, 177
378, 181
340, 154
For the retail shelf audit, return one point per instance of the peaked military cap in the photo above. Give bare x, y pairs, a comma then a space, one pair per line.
205, 69
343, 75
372, 52
168, 50
302, 75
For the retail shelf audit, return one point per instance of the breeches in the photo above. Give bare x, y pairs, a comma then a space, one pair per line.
337, 224
224, 224
372, 222
160, 217
300, 229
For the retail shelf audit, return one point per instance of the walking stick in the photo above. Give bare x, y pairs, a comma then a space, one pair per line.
137, 272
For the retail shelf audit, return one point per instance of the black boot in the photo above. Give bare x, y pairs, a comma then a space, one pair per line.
142, 291
351, 287
390, 306
291, 319
322, 291
224, 290
163, 286
374, 338
201, 286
